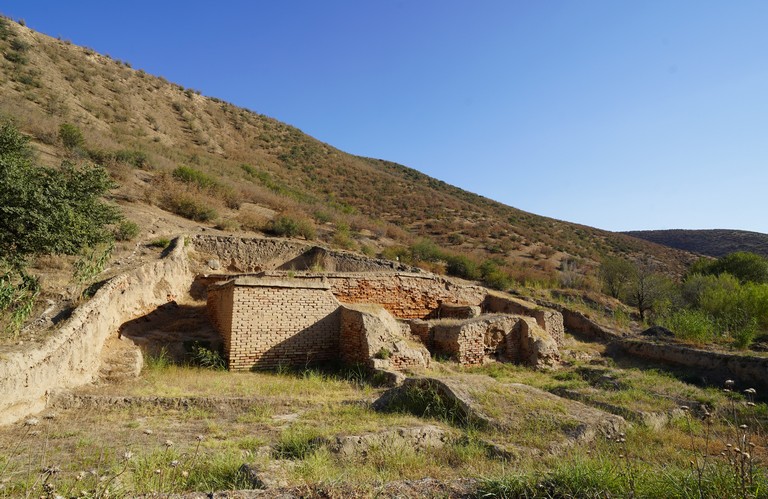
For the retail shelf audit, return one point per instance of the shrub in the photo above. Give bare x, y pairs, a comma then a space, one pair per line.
192, 176
71, 136
462, 266
188, 206
126, 231
161, 242
132, 157
206, 358
692, 325
290, 226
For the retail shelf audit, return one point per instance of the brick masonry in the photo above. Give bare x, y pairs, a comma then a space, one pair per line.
273, 322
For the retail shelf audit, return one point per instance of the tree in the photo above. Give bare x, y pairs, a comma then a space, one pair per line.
615, 274
646, 289
44, 211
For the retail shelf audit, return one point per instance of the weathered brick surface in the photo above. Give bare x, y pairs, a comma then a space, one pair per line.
275, 322
550, 320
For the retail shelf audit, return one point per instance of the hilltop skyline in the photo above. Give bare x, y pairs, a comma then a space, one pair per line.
619, 117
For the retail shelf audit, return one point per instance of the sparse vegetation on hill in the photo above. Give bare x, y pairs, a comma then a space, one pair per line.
203, 158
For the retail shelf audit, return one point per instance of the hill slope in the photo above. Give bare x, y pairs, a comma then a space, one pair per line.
246, 167
711, 242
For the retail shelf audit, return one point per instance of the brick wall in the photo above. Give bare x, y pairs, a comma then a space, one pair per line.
276, 322
404, 295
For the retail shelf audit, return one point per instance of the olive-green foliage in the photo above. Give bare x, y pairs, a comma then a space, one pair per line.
615, 274
48, 210
71, 136
745, 266
188, 206
126, 231
462, 266
193, 176
291, 226
44, 211
204, 357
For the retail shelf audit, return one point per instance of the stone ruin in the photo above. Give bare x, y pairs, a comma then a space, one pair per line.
386, 320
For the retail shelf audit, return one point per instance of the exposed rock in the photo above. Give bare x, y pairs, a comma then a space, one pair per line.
456, 311
417, 438
513, 410
658, 332
272, 475
214, 264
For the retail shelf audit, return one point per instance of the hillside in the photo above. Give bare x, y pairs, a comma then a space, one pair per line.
243, 169
712, 242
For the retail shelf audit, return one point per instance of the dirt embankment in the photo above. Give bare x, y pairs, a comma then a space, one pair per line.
72, 357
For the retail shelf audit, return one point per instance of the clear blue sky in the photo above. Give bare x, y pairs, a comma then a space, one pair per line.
619, 115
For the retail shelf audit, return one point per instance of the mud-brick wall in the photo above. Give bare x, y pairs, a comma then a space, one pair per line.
277, 322
219, 304
404, 295
550, 320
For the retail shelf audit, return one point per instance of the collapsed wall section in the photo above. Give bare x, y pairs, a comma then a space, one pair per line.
274, 322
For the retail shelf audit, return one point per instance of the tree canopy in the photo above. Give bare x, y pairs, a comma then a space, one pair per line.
48, 210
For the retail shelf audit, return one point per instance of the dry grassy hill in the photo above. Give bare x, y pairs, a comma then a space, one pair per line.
713, 242
243, 169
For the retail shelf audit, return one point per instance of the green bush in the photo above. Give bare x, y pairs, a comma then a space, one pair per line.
462, 266
161, 242
132, 157
289, 226
71, 136
126, 231
206, 358
192, 176
691, 325
44, 211
188, 206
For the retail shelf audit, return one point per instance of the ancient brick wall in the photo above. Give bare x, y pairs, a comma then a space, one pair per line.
404, 295
277, 322
550, 320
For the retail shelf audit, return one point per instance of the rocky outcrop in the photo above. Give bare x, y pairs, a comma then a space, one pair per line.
417, 438
517, 412
72, 356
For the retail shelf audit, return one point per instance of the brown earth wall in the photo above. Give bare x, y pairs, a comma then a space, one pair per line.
550, 320
71, 357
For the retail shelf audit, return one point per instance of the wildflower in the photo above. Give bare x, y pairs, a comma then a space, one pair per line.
128, 455
750, 391
685, 408
746, 455
157, 471
51, 470
168, 443
743, 426
147, 431
174, 463
32, 422
80, 476
729, 383
750, 404
185, 473
200, 438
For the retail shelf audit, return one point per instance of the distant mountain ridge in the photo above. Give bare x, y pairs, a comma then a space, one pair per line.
710, 242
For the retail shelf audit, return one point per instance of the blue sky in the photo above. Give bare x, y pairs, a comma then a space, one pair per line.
618, 115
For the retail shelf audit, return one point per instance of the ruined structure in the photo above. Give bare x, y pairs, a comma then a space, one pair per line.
391, 320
